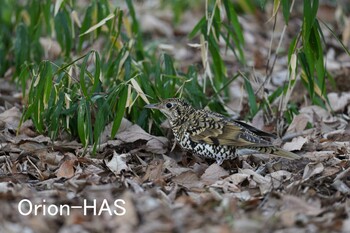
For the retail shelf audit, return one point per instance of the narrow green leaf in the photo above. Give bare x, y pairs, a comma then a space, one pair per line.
310, 11
135, 24
202, 22
251, 96
82, 129
218, 64
308, 80
63, 31
83, 69
233, 18
120, 110
96, 81
99, 24
100, 123
286, 10
22, 46
48, 83
87, 22
292, 48
337, 38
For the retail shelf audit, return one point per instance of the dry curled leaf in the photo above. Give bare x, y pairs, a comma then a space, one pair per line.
118, 163
213, 173
150, 143
312, 169
296, 144
66, 169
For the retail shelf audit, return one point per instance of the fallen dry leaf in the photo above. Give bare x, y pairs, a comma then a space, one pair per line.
213, 173
118, 163
312, 169
135, 133
66, 169
264, 183
188, 179
231, 183
298, 124
338, 101
296, 144
11, 117
293, 203
279, 177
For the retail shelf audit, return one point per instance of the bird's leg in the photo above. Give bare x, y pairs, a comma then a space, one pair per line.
174, 145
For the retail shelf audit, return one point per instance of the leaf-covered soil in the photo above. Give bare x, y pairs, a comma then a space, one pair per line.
138, 183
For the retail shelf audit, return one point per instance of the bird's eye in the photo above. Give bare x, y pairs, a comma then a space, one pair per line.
169, 105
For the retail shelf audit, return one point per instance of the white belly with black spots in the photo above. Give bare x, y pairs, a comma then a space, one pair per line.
217, 152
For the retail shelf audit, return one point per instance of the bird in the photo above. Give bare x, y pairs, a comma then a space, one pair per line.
212, 135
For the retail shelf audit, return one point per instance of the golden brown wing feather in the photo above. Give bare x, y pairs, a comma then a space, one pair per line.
214, 129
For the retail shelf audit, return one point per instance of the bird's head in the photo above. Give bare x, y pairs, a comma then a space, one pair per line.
174, 109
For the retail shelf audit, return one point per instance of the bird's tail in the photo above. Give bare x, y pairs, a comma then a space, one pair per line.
279, 152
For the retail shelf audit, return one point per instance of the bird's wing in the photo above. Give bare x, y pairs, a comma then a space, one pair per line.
214, 129
256, 131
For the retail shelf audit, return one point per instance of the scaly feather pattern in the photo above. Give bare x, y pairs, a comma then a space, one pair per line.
212, 135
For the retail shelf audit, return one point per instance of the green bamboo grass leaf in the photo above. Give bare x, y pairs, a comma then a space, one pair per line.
120, 22
55, 117
103, 11
46, 9
234, 30
169, 65
135, 24
83, 70
218, 64
217, 23
240, 56
86, 24
233, 18
57, 6
81, 120
34, 11
309, 12
146, 85
251, 96
140, 53
201, 23
292, 48
41, 89
90, 135
337, 38
120, 110
96, 80
307, 78
309, 54
286, 10
99, 24
48, 83
37, 119
100, 123
169, 75
22, 46
249, 7
23, 77
63, 31
276, 6
278, 92
319, 60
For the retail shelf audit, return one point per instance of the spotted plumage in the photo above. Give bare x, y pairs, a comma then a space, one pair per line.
212, 135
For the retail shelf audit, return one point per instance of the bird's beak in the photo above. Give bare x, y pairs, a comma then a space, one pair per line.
152, 106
